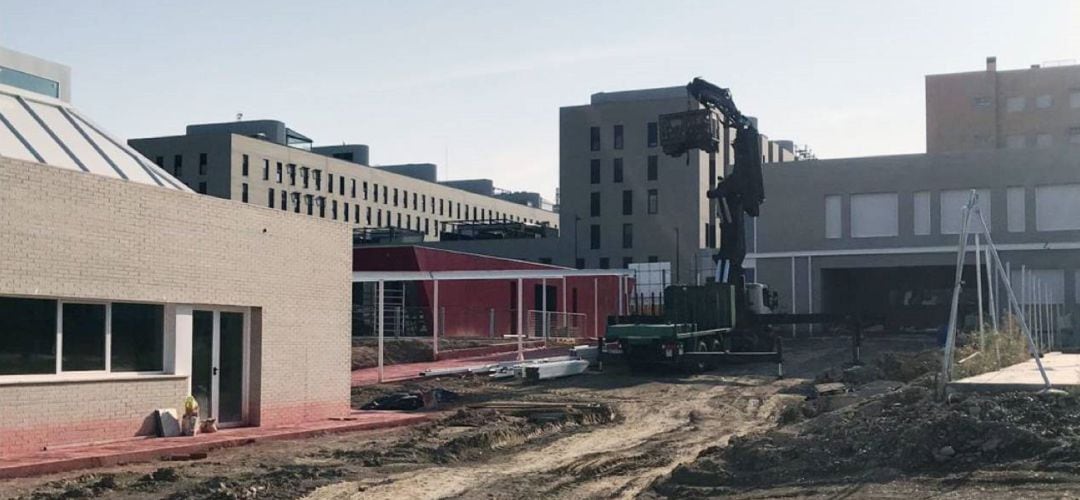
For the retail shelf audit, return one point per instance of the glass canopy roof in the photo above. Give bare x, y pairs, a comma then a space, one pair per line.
44, 130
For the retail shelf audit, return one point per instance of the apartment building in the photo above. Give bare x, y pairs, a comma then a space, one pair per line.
97, 330
1037, 107
268, 164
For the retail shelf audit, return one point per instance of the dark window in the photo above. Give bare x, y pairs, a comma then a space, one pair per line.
654, 202
398, 220
292, 174
279, 172
244, 192
628, 236
365, 190
333, 209
395, 197
367, 215
202, 187
628, 202
594, 236
345, 211
385, 198
28, 338
605, 263
616, 166
405, 199
594, 172
304, 176
244, 166
341, 185
594, 204
652, 171
284, 200
653, 258
318, 179
321, 202
138, 332
310, 202
617, 143
626, 261
545, 260
178, 165
270, 198
650, 134
84, 337
352, 188
296, 202
594, 138
159, 161
202, 163
266, 170
414, 201
378, 219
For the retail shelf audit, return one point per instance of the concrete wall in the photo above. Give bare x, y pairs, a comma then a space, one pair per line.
29, 64
74, 235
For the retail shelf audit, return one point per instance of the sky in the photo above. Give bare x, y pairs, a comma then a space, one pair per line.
475, 86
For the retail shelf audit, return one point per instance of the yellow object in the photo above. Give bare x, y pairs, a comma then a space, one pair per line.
191, 406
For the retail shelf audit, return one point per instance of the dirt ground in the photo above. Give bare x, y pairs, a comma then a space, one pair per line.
406, 350
736, 432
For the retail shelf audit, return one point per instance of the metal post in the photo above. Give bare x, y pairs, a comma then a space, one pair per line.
990, 282
544, 305
520, 324
950, 335
596, 307
491, 322
381, 289
435, 322
565, 307
978, 288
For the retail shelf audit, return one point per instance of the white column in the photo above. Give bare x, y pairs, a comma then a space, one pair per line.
520, 323
620, 295
435, 320
381, 288
544, 306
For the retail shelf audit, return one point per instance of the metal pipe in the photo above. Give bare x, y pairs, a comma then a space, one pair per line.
978, 289
990, 282
381, 289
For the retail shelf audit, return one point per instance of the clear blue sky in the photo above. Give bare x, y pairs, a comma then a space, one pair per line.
480, 82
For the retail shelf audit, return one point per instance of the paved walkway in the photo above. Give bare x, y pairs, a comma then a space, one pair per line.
1063, 370
149, 449
409, 371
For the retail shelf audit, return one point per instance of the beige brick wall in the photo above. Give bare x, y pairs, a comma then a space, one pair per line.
75, 235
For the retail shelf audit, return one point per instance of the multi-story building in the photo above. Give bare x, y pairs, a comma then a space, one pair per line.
265, 163
1036, 107
622, 200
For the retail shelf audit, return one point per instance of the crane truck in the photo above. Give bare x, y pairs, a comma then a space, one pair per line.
726, 319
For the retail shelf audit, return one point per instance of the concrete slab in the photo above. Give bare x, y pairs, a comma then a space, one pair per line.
1062, 369
148, 449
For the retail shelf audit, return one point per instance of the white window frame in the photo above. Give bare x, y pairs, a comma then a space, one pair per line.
61, 375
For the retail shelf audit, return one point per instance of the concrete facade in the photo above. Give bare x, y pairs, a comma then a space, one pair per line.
1037, 107
362, 196
38, 68
901, 213
75, 237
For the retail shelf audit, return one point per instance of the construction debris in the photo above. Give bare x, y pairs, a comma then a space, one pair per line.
556, 369
412, 401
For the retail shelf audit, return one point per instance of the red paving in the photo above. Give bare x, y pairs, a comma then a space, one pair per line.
409, 371
149, 449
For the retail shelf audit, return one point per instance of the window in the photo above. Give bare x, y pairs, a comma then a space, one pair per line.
628, 202
440, 206
626, 261
202, 163
321, 203
1015, 209
594, 204
617, 143
244, 165
594, 237
292, 174
650, 134
579, 263
333, 209
379, 217
952, 203
413, 201
137, 337
356, 213
594, 172
304, 176
309, 202
296, 202
341, 185
398, 219
982, 102
83, 333
202, 187
594, 138
28, 343
352, 188
1057, 207
244, 192
159, 161
616, 169
1043, 140
628, 236
605, 263
874, 215
367, 216
385, 198
654, 258
278, 174
270, 198
365, 190
1044, 101
1015, 104
266, 170
1074, 135
395, 197
921, 214
26, 81
284, 200
1014, 142
318, 178
654, 202
1074, 98
178, 164
652, 171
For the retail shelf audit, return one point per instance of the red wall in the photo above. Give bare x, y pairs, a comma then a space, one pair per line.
467, 304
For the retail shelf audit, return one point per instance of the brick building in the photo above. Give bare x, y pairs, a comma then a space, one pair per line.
122, 292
